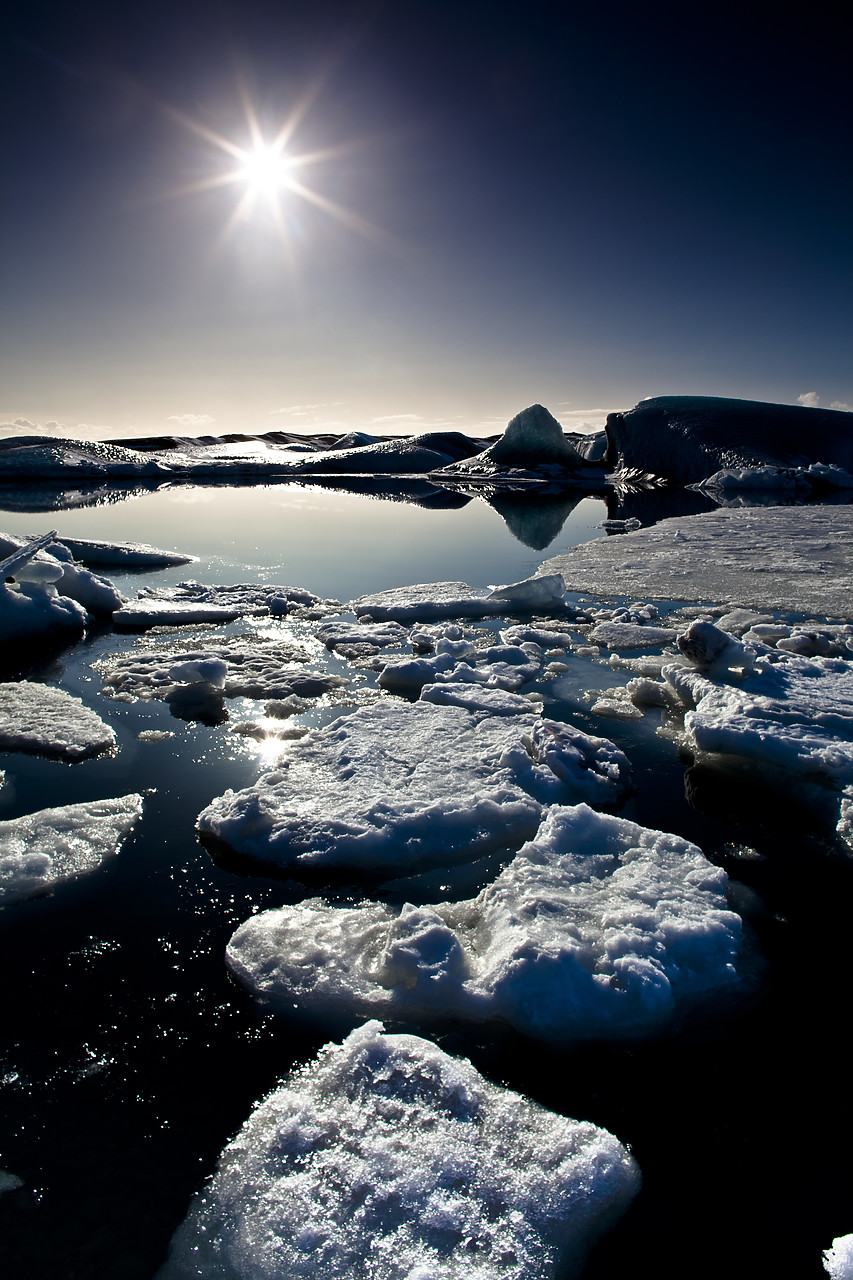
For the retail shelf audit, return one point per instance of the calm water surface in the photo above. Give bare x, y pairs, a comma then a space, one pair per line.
128, 1057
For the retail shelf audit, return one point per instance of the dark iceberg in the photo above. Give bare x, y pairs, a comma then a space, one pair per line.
686, 439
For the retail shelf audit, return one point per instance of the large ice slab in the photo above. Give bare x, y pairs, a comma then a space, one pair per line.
598, 928
46, 721
388, 1158
43, 849
782, 558
397, 786
838, 1260
689, 438
123, 555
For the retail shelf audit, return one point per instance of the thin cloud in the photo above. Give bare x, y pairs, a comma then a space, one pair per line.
23, 426
299, 410
191, 419
839, 404
398, 417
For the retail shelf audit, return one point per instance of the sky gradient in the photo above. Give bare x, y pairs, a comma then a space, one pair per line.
509, 203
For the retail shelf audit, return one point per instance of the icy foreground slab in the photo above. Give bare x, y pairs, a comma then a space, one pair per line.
597, 929
399, 786
767, 557
387, 1158
43, 849
50, 722
124, 555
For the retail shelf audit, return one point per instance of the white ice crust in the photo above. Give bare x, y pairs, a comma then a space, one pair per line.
54, 564
389, 1159
47, 721
398, 786
43, 849
598, 928
124, 555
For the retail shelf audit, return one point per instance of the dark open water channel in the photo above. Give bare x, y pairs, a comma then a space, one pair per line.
128, 1057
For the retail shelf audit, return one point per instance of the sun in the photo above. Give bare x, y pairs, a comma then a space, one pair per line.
267, 168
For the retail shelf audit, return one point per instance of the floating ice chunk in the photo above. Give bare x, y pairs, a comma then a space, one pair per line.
125, 555
593, 768
537, 635
33, 611
410, 674
210, 670
476, 697
630, 635
387, 1158
775, 479
797, 713
46, 848
710, 649
140, 615
738, 621
260, 670
845, 817
598, 928
838, 1260
46, 721
427, 600
393, 785
242, 599
379, 635
43, 561
532, 593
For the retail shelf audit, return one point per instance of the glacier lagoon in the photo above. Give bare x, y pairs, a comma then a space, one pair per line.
131, 1057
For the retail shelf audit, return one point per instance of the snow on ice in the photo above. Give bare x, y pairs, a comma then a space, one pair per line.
43, 849
838, 1260
387, 1157
426, 601
398, 787
46, 721
598, 928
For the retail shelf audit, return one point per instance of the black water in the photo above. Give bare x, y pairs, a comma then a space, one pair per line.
128, 1056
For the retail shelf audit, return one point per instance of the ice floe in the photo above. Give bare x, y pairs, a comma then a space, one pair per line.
388, 1158
244, 668
123, 555
245, 599
398, 786
781, 558
47, 564
426, 601
598, 928
795, 712
40, 719
41, 850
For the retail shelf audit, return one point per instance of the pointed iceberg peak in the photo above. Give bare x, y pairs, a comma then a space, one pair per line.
534, 436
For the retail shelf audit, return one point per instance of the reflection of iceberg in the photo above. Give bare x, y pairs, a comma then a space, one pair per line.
534, 517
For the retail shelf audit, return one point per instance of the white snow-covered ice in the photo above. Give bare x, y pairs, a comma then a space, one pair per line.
396, 786
46, 721
838, 1259
388, 1158
598, 928
41, 850
427, 601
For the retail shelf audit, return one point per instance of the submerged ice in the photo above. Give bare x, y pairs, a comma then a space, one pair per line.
390, 1159
598, 928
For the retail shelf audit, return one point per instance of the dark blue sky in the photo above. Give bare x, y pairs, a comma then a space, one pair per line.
532, 201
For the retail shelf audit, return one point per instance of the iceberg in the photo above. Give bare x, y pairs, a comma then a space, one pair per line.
598, 928
687, 439
398, 786
388, 1158
44, 849
533, 442
46, 721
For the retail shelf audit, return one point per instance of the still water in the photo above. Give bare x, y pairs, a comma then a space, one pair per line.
128, 1057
